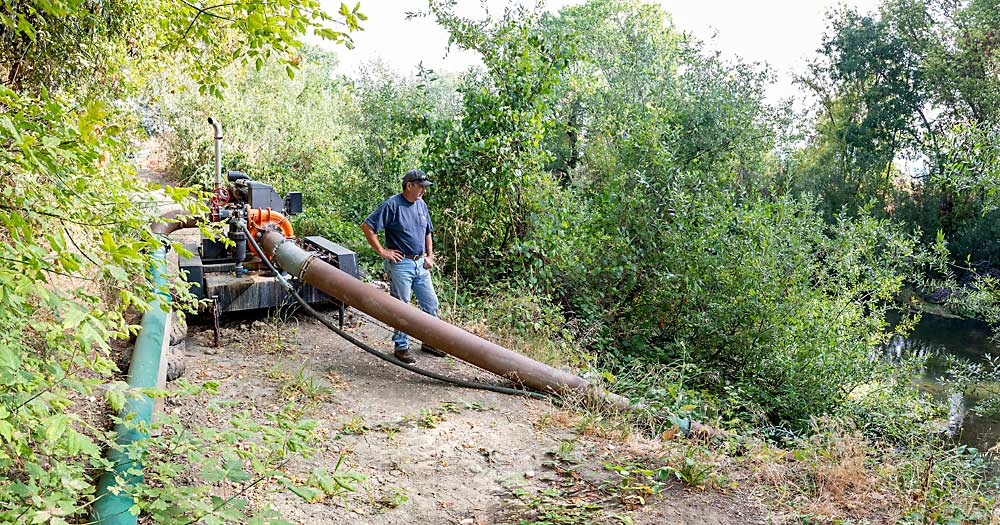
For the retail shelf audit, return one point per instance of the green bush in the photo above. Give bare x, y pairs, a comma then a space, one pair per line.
277, 130
77, 249
764, 294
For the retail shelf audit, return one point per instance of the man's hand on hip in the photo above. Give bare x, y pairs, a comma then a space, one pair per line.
392, 255
428, 261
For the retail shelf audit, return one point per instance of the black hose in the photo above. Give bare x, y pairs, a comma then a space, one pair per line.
381, 355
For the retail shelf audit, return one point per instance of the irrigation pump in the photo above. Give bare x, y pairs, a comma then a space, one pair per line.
229, 272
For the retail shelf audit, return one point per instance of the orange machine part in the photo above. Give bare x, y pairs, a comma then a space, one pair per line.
266, 219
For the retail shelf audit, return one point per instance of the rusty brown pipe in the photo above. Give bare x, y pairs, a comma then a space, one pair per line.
427, 328
167, 223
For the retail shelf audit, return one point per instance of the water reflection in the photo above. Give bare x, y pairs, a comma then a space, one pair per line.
900, 349
935, 338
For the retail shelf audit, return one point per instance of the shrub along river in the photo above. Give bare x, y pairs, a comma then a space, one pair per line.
937, 338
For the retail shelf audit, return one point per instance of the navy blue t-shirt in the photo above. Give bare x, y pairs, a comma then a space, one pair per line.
406, 224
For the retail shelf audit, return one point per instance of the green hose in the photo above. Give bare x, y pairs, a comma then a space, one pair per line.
114, 503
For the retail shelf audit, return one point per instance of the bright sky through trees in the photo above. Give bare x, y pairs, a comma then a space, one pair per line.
783, 33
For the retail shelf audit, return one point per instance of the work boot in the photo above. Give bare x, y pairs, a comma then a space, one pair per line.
426, 348
404, 355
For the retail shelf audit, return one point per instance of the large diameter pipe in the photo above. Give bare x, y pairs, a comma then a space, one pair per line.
113, 507
144, 370
168, 222
429, 329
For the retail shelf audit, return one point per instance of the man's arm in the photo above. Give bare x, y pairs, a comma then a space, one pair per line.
372, 237
429, 246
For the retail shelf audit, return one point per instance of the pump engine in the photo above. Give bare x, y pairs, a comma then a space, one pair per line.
230, 273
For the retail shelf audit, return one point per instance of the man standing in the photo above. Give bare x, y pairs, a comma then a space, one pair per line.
408, 255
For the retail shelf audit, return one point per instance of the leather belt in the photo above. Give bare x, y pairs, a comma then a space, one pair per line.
413, 257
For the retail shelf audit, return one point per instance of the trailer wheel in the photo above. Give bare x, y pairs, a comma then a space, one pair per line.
175, 361
178, 328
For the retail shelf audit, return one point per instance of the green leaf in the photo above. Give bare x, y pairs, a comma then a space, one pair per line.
212, 474
117, 272
80, 443
9, 358
235, 472
6, 431
325, 481
8, 126
49, 141
307, 493
116, 398
74, 317
55, 426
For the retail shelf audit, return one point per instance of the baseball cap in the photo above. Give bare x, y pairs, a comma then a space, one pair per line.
417, 176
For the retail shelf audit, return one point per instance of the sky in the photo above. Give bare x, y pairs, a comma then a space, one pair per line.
782, 33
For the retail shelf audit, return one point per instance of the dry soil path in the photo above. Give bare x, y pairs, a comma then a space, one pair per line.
431, 452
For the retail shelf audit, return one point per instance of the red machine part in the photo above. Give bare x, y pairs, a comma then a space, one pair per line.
267, 219
220, 196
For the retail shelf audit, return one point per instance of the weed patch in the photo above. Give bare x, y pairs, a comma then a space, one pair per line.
837, 474
356, 426
304, 387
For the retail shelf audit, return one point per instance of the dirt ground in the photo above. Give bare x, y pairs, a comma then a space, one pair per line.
432, 452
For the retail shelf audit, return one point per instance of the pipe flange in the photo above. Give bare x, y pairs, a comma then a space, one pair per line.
305, 266
274, 252
278, 246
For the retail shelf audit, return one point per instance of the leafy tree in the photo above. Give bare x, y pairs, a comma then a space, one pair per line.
489, 161
907, 82
248, 31
74, 225
962, 57
653, 97
276, 127
871, 91
387, 120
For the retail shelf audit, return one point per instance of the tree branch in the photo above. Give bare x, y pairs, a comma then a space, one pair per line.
58, 216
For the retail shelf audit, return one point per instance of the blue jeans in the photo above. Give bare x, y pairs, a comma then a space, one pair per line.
406, 276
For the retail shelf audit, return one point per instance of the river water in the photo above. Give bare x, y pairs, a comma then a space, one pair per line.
935, 337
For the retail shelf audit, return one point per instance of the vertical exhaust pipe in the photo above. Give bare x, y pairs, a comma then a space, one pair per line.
427, 328
218, 151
